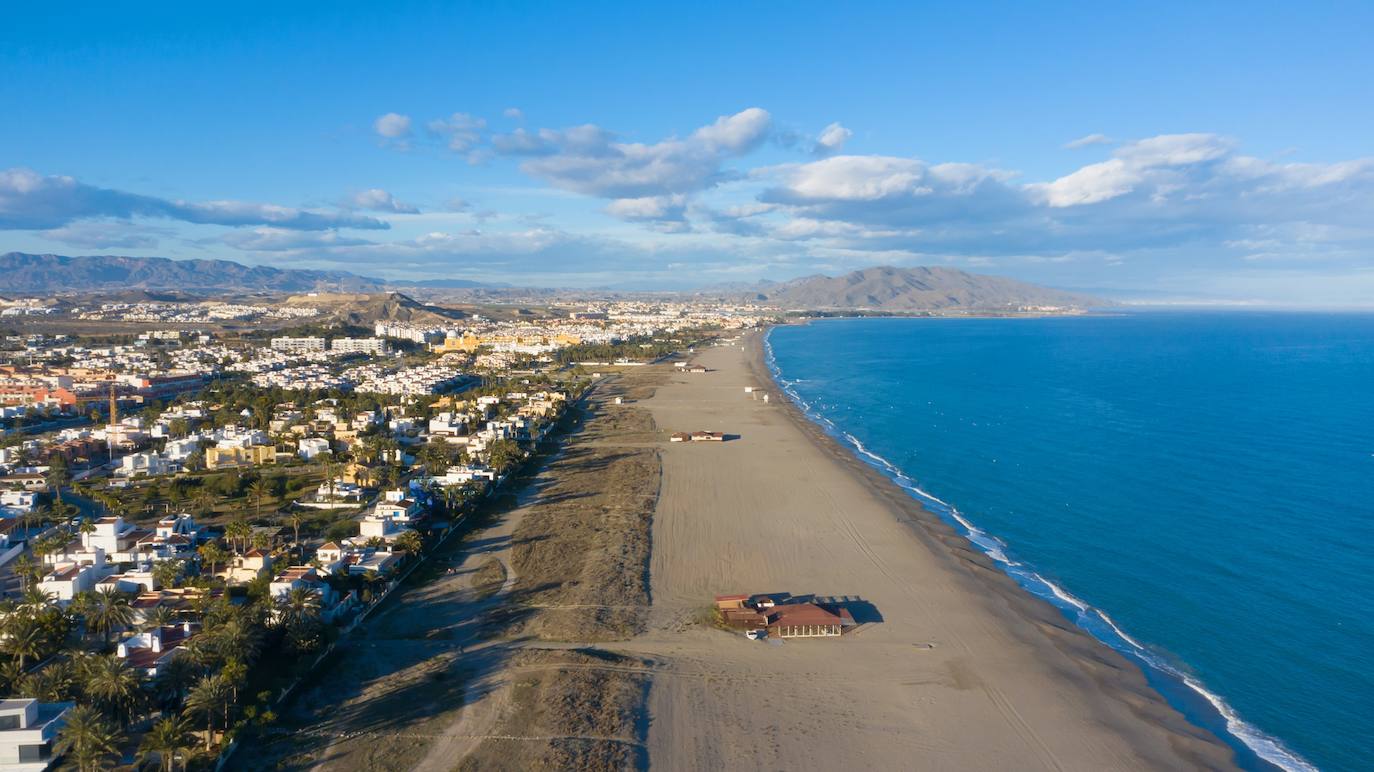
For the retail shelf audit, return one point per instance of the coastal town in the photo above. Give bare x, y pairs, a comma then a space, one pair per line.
190, 519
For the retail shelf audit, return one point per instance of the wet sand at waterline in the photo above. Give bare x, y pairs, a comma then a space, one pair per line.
964, 670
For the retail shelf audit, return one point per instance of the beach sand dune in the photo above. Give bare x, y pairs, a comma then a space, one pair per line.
955, 667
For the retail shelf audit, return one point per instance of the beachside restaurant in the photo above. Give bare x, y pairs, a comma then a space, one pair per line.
789, 619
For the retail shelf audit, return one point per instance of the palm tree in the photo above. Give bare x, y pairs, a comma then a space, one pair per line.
411, 542
237, 533
166, 738
25, 639
36, 599
158, 616
297, 606
212, 553
239, 638
234, 673
109, 611
166, 572
58, 476
28, 570
258, 490
204, 501
296, 519
174, 679
88, 738
54, 683
114, 686
209, 697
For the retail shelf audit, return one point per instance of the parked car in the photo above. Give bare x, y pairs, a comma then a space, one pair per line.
755, 635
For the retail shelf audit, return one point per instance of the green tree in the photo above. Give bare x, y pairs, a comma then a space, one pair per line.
56, 682
296, 519
210, 698
504, 454
88, 738
167, 572
28, 570
25, 640
212, 553
237, 532
113, 686
109, 610
166, 738
158, 617
411, 542
173, 681
258, 490
58, 476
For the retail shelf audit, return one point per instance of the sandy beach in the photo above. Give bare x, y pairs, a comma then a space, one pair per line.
582, 659
955, 667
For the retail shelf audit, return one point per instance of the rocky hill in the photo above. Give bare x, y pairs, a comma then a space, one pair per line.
912, 289
362, 309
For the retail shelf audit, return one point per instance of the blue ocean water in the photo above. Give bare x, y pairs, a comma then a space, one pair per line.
1196, 489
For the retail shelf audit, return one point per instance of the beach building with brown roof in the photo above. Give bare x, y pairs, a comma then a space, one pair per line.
807, 620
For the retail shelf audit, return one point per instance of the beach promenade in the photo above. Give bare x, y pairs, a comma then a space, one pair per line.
954, 667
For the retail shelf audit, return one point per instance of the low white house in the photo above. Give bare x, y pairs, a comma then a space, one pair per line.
146, 463
16, 503
149, 652
457, 475
28, 729
311, 447
68, 580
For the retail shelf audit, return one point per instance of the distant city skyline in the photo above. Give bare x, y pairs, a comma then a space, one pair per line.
1168, 153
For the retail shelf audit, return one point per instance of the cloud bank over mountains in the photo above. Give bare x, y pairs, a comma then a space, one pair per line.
745, 196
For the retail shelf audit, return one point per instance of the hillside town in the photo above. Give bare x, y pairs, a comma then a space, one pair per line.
189, 518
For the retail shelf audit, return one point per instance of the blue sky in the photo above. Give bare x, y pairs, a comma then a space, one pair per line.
1164, 151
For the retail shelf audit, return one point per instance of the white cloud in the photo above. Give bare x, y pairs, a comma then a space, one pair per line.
665, 213
378, 200
392, 126
832, 139
1091, 184
282, 240
1135, 163
513, 113
460, 132
590, 160
1175, 150
1087, 141
31, 201
103, 235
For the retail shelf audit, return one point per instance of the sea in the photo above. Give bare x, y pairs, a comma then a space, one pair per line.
1195, 489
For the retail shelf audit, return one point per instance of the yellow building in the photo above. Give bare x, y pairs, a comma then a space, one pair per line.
228, 458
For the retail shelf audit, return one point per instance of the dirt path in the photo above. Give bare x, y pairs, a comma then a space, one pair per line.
393, 694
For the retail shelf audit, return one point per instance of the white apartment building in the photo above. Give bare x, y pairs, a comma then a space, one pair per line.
298, 345
358, 345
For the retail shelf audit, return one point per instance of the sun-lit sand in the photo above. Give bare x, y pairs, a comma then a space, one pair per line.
964, 670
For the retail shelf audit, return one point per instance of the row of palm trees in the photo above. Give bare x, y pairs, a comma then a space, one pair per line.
201, 686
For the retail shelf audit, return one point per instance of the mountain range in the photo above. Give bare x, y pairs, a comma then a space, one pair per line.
886, 288
26, 273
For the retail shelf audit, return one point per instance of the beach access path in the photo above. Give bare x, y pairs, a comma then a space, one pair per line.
963, 671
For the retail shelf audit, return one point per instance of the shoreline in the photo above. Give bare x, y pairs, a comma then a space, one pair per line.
1194, 703
962, 554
